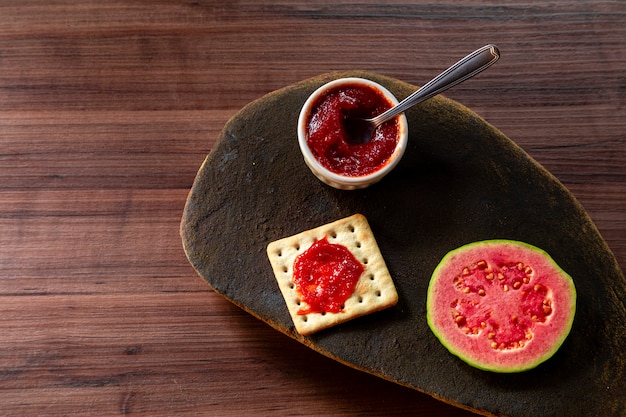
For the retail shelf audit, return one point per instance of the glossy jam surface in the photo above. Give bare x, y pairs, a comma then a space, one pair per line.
333, 143
325, 276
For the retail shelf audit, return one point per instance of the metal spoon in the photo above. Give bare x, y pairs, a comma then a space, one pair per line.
362, 130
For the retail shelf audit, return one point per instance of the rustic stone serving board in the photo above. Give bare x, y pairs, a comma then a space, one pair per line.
461, 180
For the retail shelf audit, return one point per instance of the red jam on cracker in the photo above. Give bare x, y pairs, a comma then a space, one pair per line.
325, 275
330, 138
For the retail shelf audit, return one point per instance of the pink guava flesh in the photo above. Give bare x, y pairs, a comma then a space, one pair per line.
500, 305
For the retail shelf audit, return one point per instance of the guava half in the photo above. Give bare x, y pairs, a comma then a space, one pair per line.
500, 305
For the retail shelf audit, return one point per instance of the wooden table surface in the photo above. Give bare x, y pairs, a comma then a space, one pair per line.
107, 110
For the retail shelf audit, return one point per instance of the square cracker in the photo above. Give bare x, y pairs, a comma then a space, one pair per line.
374, 290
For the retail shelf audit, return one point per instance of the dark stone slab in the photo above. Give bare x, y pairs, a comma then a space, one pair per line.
461, 180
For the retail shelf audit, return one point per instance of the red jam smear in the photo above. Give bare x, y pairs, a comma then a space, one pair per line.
325, 276
333, 143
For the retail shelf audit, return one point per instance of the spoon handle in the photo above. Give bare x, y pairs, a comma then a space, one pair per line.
465, 68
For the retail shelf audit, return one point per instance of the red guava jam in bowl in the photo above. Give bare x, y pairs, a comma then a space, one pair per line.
331, 147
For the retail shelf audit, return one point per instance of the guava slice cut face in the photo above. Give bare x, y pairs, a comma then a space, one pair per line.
500, 305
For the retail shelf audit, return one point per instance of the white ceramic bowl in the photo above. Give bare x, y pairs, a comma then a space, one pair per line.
333, 179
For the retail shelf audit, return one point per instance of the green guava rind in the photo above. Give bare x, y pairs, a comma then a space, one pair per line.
549, 273
460, 180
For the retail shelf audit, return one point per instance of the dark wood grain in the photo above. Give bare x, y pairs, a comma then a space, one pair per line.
107, 110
